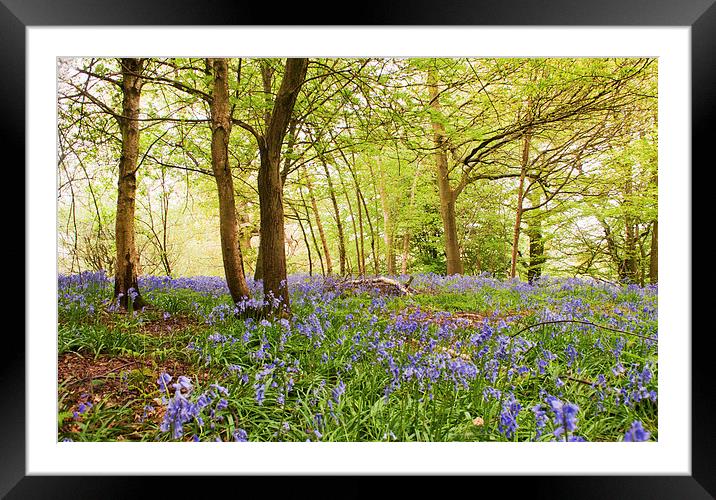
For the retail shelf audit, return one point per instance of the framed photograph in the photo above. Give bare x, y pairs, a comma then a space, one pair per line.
37, 36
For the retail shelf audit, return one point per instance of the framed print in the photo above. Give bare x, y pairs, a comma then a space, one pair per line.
38, 39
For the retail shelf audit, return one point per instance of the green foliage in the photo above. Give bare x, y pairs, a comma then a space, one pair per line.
592, 162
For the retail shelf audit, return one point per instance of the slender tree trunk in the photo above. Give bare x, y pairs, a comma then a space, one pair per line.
165, 227
613, 251
244, 229
360, 226
267, 81
127, 264
388, 236
228, 223
311, 231
319, 224
339, 224
654, 252
520, 200
376, 264
654, 256
406, 236
630, 240
270, 186
447, 194
642, 257
534, 233
388, 226
305, 241
361, 270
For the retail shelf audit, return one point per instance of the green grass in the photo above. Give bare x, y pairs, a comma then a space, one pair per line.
293, 369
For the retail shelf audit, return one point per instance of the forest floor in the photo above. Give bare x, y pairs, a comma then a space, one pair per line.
457, 359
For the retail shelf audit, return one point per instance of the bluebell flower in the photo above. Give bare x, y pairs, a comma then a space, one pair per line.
508, 416
541, 419
636, 432
163, 380
240, 435
565, 415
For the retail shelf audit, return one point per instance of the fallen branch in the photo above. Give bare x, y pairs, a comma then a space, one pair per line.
385, 285
645, 337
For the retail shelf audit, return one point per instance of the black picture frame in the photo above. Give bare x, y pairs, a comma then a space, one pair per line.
699, 15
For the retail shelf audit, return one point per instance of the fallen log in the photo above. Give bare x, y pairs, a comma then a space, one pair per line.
387, 286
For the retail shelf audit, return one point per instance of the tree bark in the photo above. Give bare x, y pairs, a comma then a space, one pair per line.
520, 200
406, 236
376, 266
447, 194
388, 226
630, 240
654, 257
270, 186
361, 270
339, 224
127, 263
228, 223
319, 224
310, 230
654, 252
305, 240
534, 233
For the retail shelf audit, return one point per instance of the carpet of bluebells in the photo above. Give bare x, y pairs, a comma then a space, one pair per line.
468, 358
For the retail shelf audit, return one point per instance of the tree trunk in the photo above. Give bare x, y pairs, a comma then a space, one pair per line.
272, 243
360, 226
388, 231
244, 230
654, 257
406, 236
339, 224
305, 241
361, 270
630, 240
520, 199
310, 230
270, 186
376, 266
654, 252
228, 223
127, 263
319, 224
534, 233
447, 194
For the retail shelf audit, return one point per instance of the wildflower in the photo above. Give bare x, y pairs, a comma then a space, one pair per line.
540, 419
636, 433
163, 380
260, 393
508, 417
565, 415
183, 383
83, 407
240, 435
338, 391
